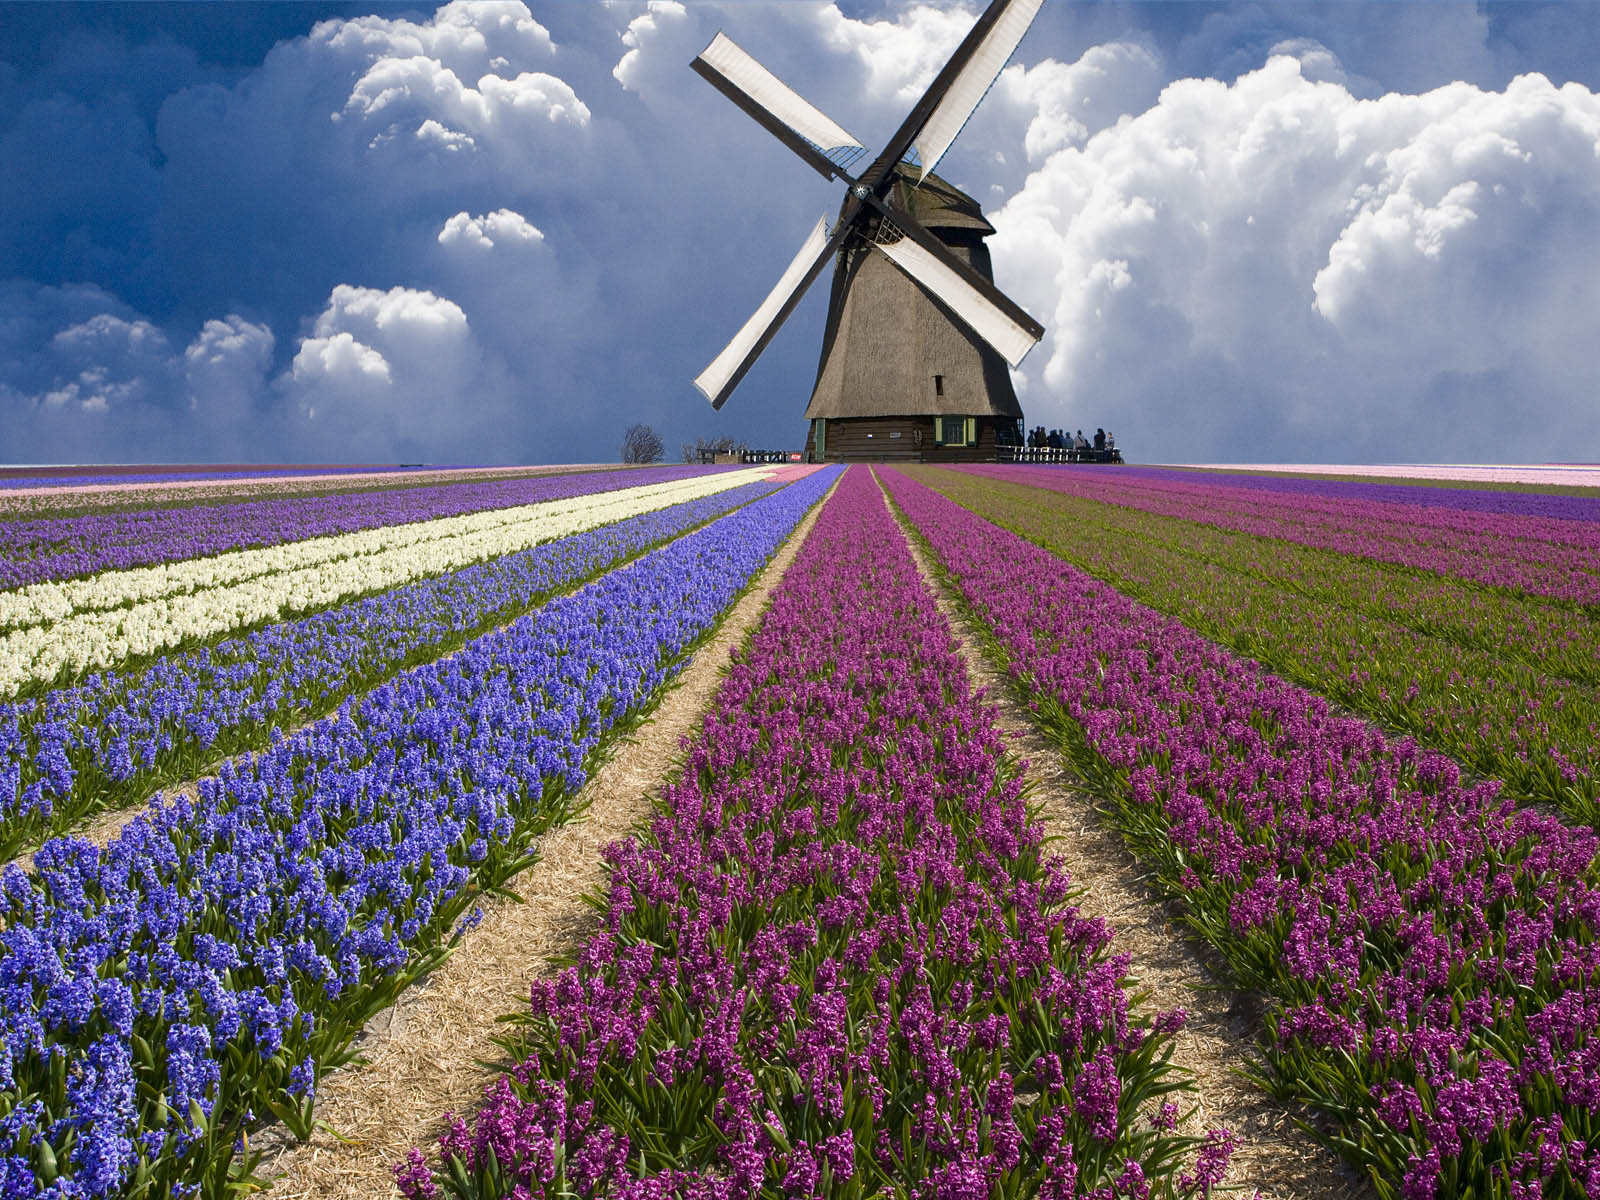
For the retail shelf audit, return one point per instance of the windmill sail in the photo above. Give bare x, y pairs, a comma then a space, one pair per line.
972, 83
719, 379
783, 111
986, 319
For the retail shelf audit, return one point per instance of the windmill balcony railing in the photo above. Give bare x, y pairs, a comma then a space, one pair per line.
1056, 454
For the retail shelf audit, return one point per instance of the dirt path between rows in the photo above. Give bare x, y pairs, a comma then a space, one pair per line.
424, 1056
1275, 1156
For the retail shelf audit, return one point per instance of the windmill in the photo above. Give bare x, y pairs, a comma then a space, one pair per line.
918, 338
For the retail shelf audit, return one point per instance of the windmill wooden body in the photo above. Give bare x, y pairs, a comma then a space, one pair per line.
918, 340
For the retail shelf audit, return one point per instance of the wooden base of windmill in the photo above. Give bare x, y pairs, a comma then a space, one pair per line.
912, 438
901, 378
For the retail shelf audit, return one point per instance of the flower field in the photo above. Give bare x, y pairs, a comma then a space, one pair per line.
112, 739
840, 961
58, 630
1505, 682
65, 547
1428, 945
196, 976
1347, 727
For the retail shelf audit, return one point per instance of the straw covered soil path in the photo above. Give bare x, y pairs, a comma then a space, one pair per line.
426, 1055
1275, 1157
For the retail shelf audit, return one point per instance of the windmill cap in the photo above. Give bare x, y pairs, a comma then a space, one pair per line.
937, 203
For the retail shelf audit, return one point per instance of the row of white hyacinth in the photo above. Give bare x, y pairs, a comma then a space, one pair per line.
43, 603
123, 614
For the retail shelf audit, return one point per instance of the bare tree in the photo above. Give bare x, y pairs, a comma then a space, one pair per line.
641, 444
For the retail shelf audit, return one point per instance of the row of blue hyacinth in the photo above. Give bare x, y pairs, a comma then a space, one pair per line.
195, 978
113, 738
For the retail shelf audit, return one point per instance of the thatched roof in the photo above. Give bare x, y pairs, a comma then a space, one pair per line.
890, 348
939, 204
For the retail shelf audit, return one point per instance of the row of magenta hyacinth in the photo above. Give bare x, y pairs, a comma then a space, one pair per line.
1344, 509
1508, 498
195, 978
1544, 635
1380, 641
43, 548
112, 739
1535, 632
1534, 556
840, 962
1428, 948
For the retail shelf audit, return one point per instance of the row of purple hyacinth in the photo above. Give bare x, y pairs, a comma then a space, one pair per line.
44, 548
840, 962
1500, 498
198, 976
1506, 685
1428, 949
110, 740
90, 476
1537, 556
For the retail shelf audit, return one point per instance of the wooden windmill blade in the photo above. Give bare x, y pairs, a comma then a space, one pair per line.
957, 90
973, 80
782, 111
988, 311
725, 371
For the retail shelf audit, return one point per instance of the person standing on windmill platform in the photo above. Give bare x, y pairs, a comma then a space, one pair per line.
918, 340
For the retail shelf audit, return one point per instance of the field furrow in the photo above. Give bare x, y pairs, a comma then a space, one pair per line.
427, 1055
1495, 713
1275, 1159
1426, 946
203, 972
839, 960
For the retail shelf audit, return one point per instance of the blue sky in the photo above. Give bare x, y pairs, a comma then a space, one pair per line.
497, 232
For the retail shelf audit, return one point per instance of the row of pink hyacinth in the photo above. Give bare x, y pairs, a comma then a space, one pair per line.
839, 963
1540, 556
1429, 950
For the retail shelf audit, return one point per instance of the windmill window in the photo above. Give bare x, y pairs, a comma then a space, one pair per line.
938, 385
955, 431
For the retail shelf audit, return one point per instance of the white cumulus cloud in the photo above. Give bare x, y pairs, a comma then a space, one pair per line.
393, 373
225, 369
1064, 103
900, 57
663, 31
502, 227
108, 383
1276, 261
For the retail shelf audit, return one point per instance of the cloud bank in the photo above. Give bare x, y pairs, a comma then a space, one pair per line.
475, 237
1275, 262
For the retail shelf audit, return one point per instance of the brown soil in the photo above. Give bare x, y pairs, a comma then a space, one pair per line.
1275, 1157
434, 1050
